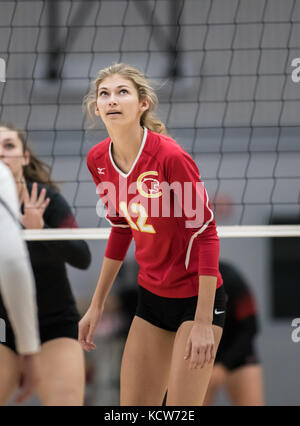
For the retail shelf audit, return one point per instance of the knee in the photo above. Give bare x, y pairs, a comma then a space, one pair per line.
66, 397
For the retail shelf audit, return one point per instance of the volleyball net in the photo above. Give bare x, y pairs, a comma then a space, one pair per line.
223, 73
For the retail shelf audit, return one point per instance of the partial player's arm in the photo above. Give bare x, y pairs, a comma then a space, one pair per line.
16, 277
116, 249
199, 219
88, 323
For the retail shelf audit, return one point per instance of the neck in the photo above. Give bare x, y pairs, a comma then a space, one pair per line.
126, 142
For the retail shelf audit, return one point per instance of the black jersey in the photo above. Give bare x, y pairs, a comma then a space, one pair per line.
241, 325
48, 258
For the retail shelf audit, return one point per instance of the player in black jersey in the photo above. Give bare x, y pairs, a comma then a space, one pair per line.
237, 367
62, 361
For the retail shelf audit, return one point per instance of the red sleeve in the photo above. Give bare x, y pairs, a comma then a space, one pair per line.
199, 216
193, 199
208, 246
118, 243
120, 236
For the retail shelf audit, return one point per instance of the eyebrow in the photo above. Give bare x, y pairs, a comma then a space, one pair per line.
8, 140
118, 87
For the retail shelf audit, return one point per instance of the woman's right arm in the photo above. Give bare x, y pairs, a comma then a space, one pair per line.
118, 242
109, 271
89, 322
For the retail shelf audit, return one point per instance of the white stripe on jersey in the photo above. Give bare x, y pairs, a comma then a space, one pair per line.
113, 224
188, 253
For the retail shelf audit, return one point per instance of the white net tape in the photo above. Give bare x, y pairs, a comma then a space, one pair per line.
103, 233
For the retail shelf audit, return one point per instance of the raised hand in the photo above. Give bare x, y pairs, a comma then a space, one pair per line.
34, 207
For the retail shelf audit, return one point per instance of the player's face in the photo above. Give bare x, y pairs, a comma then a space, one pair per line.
118, 102
11, 152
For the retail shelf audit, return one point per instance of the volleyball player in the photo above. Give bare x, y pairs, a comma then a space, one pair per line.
178, 324
237, 368
18, 292
62, 361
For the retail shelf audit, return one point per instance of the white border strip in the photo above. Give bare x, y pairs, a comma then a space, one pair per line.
126, 175
202, 229
237, 231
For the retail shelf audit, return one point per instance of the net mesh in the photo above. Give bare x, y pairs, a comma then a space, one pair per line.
223, 73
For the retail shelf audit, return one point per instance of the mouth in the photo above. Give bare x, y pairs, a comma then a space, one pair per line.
114, 113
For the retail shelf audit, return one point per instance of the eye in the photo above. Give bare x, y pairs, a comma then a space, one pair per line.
9, 145
103, 93
123, 91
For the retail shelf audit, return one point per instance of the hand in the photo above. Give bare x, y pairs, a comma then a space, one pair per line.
200, 347
34, 207
30, 376
87, 326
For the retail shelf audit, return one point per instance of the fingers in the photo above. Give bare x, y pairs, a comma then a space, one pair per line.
39, 202
25, 194
33, 197
200, 356
33, 200
41, 198
85, 337
188, 349
45, 204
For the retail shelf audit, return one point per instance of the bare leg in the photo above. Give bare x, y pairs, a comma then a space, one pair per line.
188, 387
218, 378
62, 373
145, 364
245, 386
9, 373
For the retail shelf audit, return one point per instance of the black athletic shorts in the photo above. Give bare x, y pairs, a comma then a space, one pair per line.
170, 313
53, 331
249, 358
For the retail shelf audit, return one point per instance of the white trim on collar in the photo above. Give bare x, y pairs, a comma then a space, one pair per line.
125, 175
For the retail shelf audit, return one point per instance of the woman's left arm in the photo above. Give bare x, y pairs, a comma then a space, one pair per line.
200, 347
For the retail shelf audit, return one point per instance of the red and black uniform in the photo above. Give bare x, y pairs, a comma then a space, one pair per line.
57, 312
237, 346
162, 204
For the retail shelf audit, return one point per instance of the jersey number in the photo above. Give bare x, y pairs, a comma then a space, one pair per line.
142, 218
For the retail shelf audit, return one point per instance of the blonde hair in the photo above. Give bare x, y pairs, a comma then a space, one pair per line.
142, 86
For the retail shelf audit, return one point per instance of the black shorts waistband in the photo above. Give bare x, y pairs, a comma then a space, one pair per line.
170, 313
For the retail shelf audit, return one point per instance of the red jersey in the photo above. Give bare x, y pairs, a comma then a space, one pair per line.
161, 203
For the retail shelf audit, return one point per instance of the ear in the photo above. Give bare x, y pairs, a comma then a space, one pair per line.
26, 158
97, 112
144, 104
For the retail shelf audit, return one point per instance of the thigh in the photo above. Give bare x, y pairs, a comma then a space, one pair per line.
188, 387
245, 385
9, 373
145, 364
217, 380
62, 372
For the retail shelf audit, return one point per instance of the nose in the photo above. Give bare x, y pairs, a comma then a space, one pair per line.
112, 100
